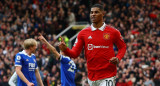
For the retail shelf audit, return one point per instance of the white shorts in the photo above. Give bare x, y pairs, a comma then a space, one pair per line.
103, 82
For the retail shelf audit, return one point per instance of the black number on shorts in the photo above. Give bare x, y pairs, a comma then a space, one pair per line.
109, 83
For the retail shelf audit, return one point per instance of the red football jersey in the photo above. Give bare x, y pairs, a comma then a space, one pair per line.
98, 46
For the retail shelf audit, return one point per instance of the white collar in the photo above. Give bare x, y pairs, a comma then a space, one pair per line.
24, 52
101, 28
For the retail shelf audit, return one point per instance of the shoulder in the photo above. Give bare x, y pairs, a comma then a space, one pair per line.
113, 29
33, 55
19, 54
64, 57
85, 31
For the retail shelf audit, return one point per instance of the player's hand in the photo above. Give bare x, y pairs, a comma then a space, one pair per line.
62, 45
114, 60
41, 38
30, 84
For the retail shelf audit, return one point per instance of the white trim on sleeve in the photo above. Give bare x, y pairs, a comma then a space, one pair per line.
18, 65
60, 57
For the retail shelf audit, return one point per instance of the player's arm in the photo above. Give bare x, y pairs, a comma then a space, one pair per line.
38, 77
22, 77
53, 49
76, 50
13, 79
120, 45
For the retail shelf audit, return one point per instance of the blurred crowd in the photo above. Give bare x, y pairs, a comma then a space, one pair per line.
137, 20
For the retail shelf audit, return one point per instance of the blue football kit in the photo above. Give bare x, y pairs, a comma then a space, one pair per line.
68, 69
29, 65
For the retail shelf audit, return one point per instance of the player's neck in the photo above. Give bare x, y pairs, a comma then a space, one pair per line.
98, 25
28, 52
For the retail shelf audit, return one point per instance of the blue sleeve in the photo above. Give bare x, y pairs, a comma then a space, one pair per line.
64, 59
18, 60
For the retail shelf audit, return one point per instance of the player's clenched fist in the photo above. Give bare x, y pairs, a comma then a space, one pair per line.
62, 45
114, 60
30, 84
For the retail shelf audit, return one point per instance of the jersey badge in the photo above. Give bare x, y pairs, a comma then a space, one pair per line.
18, 57
106, 36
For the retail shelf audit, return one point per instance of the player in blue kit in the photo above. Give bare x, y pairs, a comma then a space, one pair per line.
68, 67
67, 71
26, 65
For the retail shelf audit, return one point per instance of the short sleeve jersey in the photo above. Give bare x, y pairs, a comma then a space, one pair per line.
28, 64
68, 69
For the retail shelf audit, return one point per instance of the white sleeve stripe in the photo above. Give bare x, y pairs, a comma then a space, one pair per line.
18, 65
60, 57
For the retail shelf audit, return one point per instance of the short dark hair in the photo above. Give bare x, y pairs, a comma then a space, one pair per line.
100, 6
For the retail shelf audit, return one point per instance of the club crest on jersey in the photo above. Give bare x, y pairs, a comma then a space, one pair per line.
106, 36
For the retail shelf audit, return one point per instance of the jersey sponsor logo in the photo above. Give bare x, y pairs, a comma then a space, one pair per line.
90, 37
106, 36
31, 66
27, 60
91, 46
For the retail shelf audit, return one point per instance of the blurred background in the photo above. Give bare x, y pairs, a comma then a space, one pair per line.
137, 20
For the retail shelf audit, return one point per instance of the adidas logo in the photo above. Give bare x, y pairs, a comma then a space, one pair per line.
90, 37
